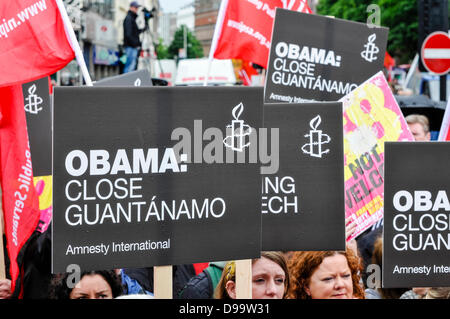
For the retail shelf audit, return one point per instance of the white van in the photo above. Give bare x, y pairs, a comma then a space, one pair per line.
165, 69
193, 72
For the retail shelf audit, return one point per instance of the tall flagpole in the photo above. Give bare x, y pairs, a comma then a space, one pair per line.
215, 39
74, 42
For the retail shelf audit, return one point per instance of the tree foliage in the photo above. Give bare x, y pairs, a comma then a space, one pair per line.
162, 51
400, 16
194, 47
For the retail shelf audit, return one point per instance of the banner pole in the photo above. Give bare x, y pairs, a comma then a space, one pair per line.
74, 42
215, 39
162, 287
244, 279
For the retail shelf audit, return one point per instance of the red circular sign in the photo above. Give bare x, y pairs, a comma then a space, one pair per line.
435, 52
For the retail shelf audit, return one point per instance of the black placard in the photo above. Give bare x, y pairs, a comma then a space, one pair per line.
39, 116
319, 58
416, 239
303, 204
130, 125
135, 78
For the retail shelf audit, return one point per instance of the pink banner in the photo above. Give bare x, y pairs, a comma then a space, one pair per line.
371, 117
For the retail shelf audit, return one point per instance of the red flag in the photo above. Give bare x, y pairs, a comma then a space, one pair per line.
389, 61
246, 30
20, 201
33, 42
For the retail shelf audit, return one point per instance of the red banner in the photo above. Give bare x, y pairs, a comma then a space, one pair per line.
20, 201
33, 41
246, 30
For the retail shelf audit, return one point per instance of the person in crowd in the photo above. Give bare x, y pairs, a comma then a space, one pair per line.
140, 280
378, 292
99, 284
415, 293
131, 40
136, 296
438, 293
202, 286
5, 289
326, 275
270, 278
419, 125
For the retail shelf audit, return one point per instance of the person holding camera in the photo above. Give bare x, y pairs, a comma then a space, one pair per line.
131, 40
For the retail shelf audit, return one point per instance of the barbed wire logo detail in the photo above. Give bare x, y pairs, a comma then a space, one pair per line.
316, 139
138, 82
239, 130
33, 101
371, 50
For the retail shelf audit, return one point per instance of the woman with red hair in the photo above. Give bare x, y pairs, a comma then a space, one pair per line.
325, 275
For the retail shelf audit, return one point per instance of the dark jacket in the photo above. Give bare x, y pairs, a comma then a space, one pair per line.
144, 276
203, 285
131, 31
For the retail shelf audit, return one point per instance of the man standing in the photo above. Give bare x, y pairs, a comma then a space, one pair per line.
419, 127
131, 41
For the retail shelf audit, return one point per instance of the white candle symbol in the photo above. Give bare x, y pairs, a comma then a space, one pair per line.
238, 130
314, 148
33, 101
237, 127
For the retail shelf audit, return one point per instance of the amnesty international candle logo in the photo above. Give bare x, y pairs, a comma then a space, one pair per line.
239, 130
316, 139
33, 101
371, 50
138, 82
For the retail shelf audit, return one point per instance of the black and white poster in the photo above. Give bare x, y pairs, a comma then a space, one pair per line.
303, 202
155, 176
39, 115
416, 239
317, 58
135, 78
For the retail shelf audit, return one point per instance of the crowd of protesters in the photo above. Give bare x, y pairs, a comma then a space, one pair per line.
277, 275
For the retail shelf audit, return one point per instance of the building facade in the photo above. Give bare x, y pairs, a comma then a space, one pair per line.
205, 21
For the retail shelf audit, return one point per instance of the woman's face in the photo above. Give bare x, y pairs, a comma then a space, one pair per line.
268, 279
92, 287
331, 280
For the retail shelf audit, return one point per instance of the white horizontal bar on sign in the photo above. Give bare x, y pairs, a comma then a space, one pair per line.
436, 54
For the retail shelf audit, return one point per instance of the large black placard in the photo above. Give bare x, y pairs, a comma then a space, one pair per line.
416, 242
114, 152
319, 58
303, 202
39, 115
135, 78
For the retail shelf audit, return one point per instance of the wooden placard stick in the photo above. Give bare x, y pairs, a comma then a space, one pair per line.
244, 279
162, 276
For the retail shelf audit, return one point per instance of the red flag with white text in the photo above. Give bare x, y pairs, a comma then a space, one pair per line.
246, 30
33, 41
20, 200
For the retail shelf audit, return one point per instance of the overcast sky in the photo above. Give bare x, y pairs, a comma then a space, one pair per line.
173, 5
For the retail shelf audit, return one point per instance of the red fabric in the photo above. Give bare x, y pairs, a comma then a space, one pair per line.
33, 42
389, 61
246, 31
246, 73
199, 267
20, 201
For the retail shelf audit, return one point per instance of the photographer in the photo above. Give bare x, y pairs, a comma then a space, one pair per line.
131, 41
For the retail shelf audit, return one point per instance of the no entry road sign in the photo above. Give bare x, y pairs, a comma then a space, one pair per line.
436, 52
